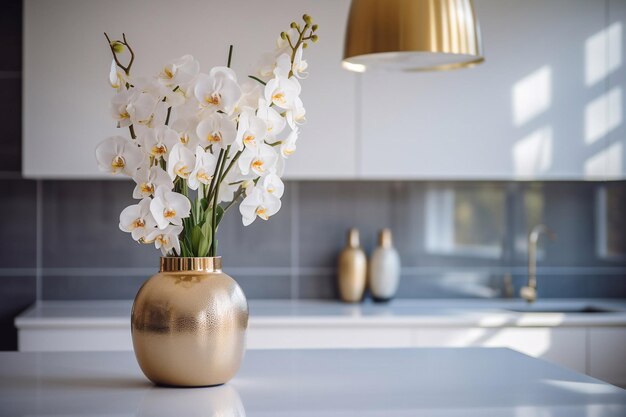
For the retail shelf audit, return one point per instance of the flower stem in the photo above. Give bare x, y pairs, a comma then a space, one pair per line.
257, 79
215, 200
230, 55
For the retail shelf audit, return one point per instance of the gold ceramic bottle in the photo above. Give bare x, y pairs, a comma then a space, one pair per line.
189, 323
352, 270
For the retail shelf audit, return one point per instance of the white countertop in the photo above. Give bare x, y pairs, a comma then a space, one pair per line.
431, 312
305, 383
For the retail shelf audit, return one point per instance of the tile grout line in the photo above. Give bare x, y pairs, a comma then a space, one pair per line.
39, 242
295, 241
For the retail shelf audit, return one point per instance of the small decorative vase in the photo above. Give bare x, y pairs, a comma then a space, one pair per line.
189, 324
352, 273
384, 269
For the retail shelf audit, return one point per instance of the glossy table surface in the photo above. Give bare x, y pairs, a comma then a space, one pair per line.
433, 382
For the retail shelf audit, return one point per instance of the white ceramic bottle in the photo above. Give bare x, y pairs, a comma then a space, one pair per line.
384, 269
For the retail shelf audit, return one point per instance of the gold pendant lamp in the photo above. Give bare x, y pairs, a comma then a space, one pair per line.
412, 35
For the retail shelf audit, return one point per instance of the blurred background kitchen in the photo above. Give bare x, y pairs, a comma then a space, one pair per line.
459, 165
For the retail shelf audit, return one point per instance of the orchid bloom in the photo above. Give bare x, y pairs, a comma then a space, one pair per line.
258, 203
158, 141
272, 184
186, 129
166, 239
117, 154
282, 91
299, 66
288, 146
251, 131
203, 171
169, 207
295, 115
148, 179
142, 108
251, 91
274, 122
217, 130
137, 219
179, 71
181, 162
260, 159
219, 90
116, 78
119, 108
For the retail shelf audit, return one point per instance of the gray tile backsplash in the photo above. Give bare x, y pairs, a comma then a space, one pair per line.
456, 239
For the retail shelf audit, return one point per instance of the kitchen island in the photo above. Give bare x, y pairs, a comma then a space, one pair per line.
301, 383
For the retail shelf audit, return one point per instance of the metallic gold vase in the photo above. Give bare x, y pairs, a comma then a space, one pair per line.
189, 324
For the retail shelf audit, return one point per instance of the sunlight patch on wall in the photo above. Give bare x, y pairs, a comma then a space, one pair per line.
532, 95
603, 53
606, 163
603, 115
532, 155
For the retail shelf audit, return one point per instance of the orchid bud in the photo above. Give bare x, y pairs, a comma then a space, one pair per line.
314, 27
307, 19
314, 38
118, 47
294, 25
305, 45
283, 35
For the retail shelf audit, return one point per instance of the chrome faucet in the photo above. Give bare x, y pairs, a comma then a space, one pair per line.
529, 292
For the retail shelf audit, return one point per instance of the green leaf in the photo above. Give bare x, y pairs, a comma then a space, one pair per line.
219, 215
196, 238
204, 203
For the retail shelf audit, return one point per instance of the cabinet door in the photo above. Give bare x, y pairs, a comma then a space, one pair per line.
607, 354
564, 346
66, 64
535, 109
615, 68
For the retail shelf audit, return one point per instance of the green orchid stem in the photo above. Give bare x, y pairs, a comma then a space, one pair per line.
215, 200
257, 79
167, 118
230, 55
238, 194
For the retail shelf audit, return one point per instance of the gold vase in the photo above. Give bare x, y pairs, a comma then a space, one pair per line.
189, 323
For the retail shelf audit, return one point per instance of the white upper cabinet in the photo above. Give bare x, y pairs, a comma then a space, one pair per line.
538, 108
66, 64
546, 104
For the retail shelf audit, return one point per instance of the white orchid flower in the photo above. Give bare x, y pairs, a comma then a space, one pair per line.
288, 146
233, 180
137, 219
218, 130
166, 239
142, 108
295, 115
274, 122
260, 160
169, 207
159, 141
180, 71
251, 91
119, 108
218, 90
116, 77
148, 179
204, 169
186, 129
273, 184
282, 91
251, 131
180, 162
258, 203
117, 154
299, 66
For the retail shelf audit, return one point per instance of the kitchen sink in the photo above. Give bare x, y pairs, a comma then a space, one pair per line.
562, 309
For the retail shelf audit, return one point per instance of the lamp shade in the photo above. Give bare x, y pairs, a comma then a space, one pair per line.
412, 35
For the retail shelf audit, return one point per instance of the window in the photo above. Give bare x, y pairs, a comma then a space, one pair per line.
465, 220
